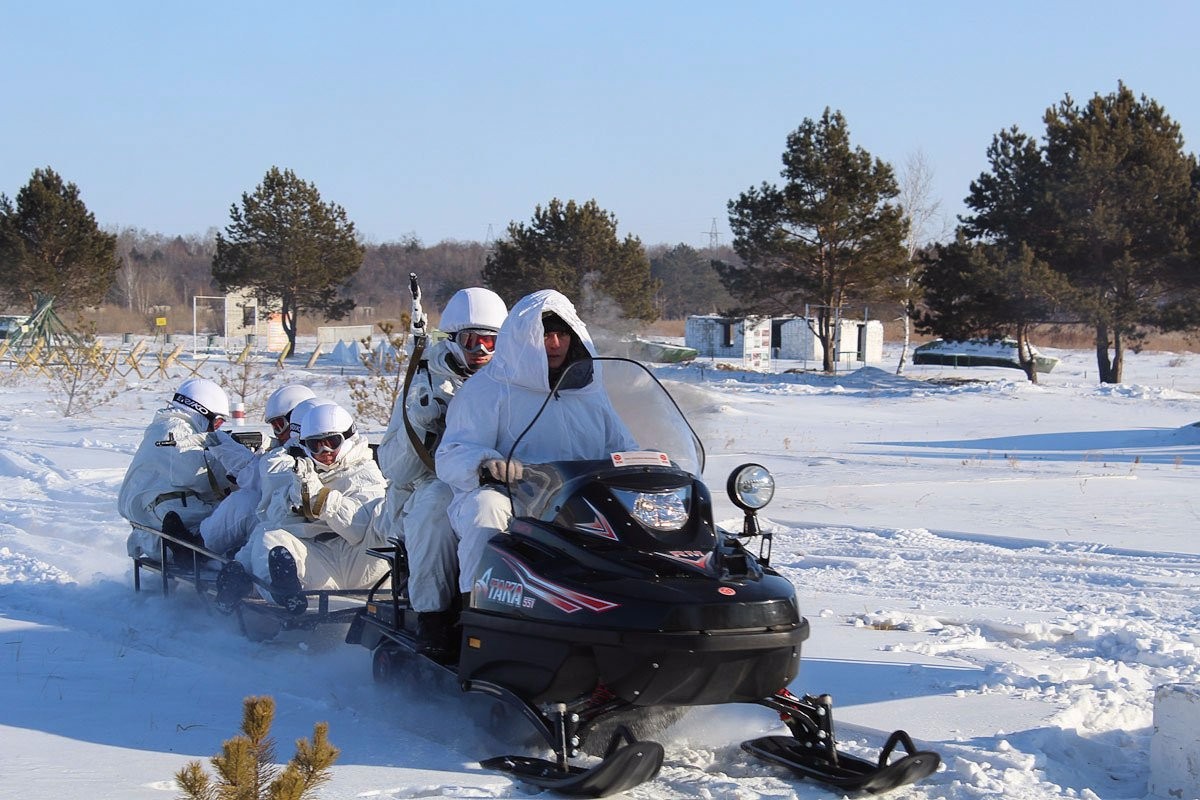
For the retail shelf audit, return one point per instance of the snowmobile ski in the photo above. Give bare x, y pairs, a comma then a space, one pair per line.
626, 763
811, 751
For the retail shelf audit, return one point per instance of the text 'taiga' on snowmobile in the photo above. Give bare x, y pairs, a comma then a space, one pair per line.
614, 595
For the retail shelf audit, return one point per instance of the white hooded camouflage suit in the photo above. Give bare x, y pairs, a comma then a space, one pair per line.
173, 471
414, 508
498, 403
330, 551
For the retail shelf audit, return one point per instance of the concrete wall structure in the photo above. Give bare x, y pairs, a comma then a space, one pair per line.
790, 338
744, 338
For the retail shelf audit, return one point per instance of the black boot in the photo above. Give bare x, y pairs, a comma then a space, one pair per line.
438, 636
172, 525
285, 584
233, 586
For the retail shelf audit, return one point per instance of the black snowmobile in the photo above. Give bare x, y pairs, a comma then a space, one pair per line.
614, 595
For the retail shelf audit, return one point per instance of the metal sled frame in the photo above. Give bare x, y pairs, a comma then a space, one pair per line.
277, 618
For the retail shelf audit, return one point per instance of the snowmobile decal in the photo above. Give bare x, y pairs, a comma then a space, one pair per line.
509, 593
632, 458
696, 558
599, 526
562, 598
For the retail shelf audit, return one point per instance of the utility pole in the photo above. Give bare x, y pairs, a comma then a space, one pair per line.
714, 239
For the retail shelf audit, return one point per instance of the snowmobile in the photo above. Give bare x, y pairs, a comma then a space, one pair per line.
614, 594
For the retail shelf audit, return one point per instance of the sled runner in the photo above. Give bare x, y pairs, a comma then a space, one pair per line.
258, 619
613, 595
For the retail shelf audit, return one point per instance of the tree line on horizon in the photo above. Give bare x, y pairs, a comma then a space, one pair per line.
1097, 222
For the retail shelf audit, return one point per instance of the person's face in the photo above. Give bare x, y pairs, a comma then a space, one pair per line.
477, 360
477, 347
558, 343
282, 428
324, 449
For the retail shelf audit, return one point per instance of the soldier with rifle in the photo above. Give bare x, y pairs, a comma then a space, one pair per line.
414, 508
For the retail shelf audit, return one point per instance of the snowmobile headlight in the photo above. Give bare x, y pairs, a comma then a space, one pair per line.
751, 487
662, 511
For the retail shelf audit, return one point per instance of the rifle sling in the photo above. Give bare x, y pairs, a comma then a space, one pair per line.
419, 446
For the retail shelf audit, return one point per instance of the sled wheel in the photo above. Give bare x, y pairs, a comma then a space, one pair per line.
385, 664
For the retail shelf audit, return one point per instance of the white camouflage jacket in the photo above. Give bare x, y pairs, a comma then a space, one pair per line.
498, 403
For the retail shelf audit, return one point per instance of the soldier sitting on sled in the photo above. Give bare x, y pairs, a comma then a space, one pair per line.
181, 469
321, 540
230, 525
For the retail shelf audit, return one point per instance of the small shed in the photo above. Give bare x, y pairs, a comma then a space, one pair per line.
744, 338
856, 341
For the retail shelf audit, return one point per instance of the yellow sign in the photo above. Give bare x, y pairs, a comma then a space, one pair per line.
160, 322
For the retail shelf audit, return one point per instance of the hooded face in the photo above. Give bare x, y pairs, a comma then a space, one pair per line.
557, 337
523, 354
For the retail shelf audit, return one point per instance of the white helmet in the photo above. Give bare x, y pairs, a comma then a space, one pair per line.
302, 408
473, 308
203, 401
326, 427
283, 400
278, 413
472, 311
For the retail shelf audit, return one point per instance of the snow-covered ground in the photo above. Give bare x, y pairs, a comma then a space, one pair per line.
1007, 571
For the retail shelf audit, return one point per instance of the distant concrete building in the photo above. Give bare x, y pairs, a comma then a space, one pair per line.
747, 339
856, 341
757, 340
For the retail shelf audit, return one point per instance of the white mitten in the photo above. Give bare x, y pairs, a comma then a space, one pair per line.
189, 441
304, 484
426, 409
504, 471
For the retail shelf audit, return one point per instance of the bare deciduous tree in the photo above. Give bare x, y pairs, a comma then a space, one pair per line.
926, 225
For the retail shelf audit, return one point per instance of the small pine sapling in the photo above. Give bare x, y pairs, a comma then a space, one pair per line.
246, 768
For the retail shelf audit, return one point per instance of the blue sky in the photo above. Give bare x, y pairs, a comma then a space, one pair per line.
450, 119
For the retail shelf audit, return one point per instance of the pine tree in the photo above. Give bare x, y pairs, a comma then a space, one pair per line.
830, 235
51, 247
246, 770
973, 290
293, 250
575, 249
1110, 201
688, 283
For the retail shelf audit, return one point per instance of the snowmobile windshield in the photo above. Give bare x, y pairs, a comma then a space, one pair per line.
642, 404
651, 415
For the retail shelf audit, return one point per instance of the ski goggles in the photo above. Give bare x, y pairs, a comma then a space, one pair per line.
476, 341
326, 442
279, 424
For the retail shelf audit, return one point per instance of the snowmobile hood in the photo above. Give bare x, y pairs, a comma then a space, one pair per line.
520, 357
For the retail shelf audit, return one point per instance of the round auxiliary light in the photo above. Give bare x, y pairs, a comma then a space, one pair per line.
750, 486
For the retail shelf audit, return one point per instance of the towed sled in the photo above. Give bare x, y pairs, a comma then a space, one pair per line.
258, 619
613, 596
